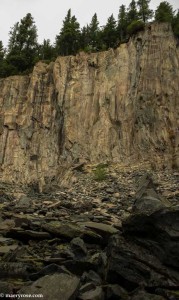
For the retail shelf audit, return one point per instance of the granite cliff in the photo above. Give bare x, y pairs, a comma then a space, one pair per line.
119, 105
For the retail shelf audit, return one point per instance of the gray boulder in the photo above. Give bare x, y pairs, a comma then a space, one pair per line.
54, 287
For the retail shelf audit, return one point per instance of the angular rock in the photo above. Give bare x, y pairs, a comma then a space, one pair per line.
50, 269
13, 270
147, 198
24, 202
54, 287
71, 230
115, 292
87, 287
78, 247
133, 265
6, 249
103, 229
91, 276
159, 231
60, 229
93, 294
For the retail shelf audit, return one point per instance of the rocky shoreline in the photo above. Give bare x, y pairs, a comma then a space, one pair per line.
92, 240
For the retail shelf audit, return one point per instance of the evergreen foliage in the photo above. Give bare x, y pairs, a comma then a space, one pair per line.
23, 50
122, 23
132, 14
94, 34
85, 39
164, 12
109, 33
22, 47
135, 26
68, 41
175, 24
145, 13
46, 51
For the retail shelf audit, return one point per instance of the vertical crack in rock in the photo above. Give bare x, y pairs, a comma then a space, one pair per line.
119, 105
4, 138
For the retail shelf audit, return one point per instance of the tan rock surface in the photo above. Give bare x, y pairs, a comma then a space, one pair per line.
119, 105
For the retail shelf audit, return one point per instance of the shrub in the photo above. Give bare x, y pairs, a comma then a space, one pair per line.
100, 172
135, 26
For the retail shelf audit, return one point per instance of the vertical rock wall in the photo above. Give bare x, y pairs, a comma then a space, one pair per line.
119, 105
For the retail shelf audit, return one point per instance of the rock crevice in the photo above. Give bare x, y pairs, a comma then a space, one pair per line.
117, 105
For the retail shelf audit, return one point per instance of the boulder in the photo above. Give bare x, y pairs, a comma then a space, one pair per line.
78, 247
147, 199
54, 287
93, 294
115, 292
158, 231
103, 229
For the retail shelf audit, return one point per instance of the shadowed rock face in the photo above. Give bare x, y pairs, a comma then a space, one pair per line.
118, 105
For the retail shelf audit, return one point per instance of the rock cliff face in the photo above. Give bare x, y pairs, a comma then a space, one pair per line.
120, 105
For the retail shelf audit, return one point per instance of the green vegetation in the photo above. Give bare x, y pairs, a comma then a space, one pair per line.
164, 12
135, 26
100, 172
24, 51
68, 41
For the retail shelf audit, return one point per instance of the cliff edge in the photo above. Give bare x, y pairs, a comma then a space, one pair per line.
120, 105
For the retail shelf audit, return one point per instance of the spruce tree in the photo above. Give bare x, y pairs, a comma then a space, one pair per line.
85, 39
46, 50
132, 14
22, 47
94, 34
164, 12
68, 41
109, 34
2, 52
145, 13
175, 24
122, 23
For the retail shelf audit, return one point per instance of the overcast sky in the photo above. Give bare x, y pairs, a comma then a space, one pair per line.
49, 14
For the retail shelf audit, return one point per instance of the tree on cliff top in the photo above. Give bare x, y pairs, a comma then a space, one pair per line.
132, 14
164, 12
68, 41
122, 23
145, 13
2, 53
175, 24
46, 51
94, 34
109, 34
22, 47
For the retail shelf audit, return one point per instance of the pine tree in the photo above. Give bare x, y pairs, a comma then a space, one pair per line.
46, 50
85, 39
2, 52
94, 34
122, 23
12, 44
164, 12
109, 34
22, 47
175, 24
68, 41
145, 13
132, 14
